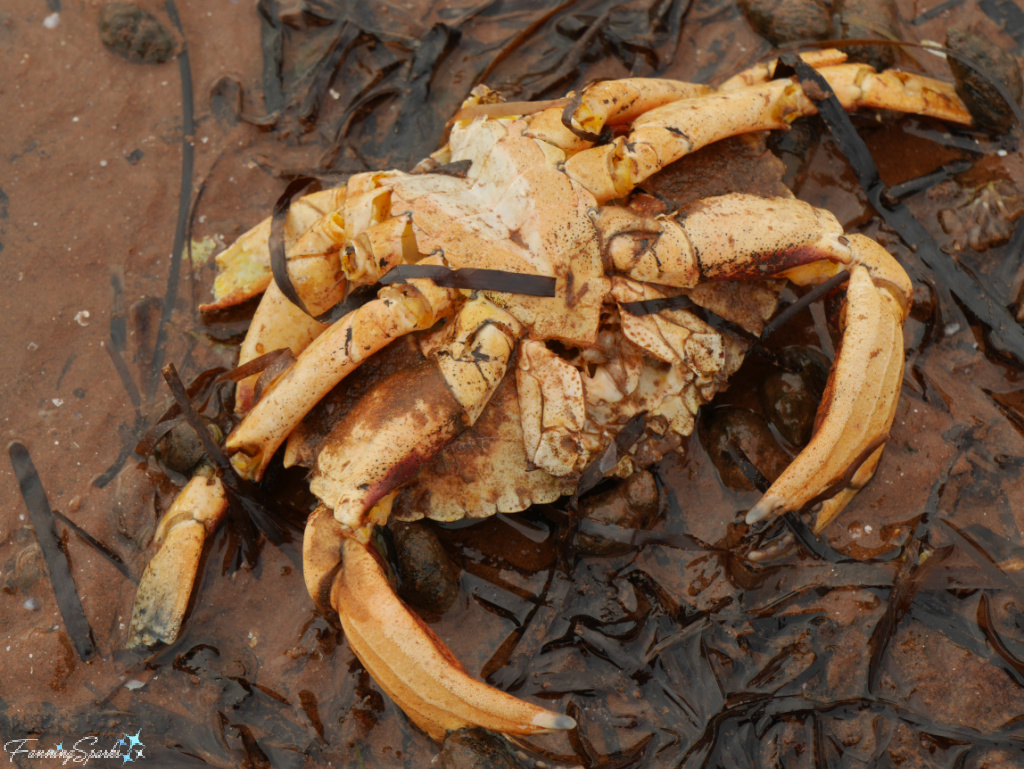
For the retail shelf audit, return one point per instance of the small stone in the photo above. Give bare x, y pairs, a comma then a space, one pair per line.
51, 21
790, 396
31, 604
135, 34
181, 450
986, 106
786, 21
428, 580
630, 504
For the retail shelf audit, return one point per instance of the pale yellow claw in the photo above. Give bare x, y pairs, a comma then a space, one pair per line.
414, 667
857, 409
166, 586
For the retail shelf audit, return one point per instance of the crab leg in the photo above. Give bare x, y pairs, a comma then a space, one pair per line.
610, 102
724, 239
762, 73
380, 445
863, 390
413, 667
321, 273
245, 264
667, 133
406, 419
166, 585
398, 310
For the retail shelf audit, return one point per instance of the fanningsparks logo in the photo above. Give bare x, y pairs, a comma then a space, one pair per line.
128, 749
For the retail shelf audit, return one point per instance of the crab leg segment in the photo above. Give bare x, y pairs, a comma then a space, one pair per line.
863, 390
245, 264
166, 585
667, 133
413, 667
398, 310
727, 238
721, 238
607, 103
404, 421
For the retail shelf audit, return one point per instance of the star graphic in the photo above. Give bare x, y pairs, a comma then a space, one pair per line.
134, 743
60, 746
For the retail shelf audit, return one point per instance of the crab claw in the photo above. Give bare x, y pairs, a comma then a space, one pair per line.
166, 585
413, 667
860, 400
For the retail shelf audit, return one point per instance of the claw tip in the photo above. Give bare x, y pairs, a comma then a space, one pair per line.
763, 509
553, 721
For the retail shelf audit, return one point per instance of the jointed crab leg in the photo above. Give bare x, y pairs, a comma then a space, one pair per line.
727, 238
398, 310
413, 667
607, 103
863, 390
406, 419
245, 264
374, 450
667, 133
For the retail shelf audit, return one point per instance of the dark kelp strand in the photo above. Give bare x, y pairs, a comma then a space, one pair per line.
68, 602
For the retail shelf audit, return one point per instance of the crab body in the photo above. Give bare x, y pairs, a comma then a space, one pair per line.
494, 400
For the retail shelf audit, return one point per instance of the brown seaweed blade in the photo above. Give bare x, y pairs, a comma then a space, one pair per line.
68, 601
1004, 329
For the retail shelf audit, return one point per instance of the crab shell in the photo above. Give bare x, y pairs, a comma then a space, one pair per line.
535, 199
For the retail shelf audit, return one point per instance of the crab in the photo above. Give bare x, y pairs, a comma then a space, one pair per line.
499, 400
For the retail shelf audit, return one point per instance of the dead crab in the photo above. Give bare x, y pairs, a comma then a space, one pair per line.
448, 434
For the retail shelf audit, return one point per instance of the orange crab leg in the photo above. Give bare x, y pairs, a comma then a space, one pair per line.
413, 667
166, 586
726, 238
862, 394
379, 446
667, 133
398, 310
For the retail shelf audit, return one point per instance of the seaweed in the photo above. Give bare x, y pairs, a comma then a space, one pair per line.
181, 228
55, 555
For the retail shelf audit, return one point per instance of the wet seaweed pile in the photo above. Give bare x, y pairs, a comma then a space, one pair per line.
893, 638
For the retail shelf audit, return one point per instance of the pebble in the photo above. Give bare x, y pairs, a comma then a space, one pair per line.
982, 99
135, 34
428, 580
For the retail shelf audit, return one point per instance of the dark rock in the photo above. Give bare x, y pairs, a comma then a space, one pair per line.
428, 580
787, 21
476, 749
986, 106
869, 20
181, 450
135, 34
